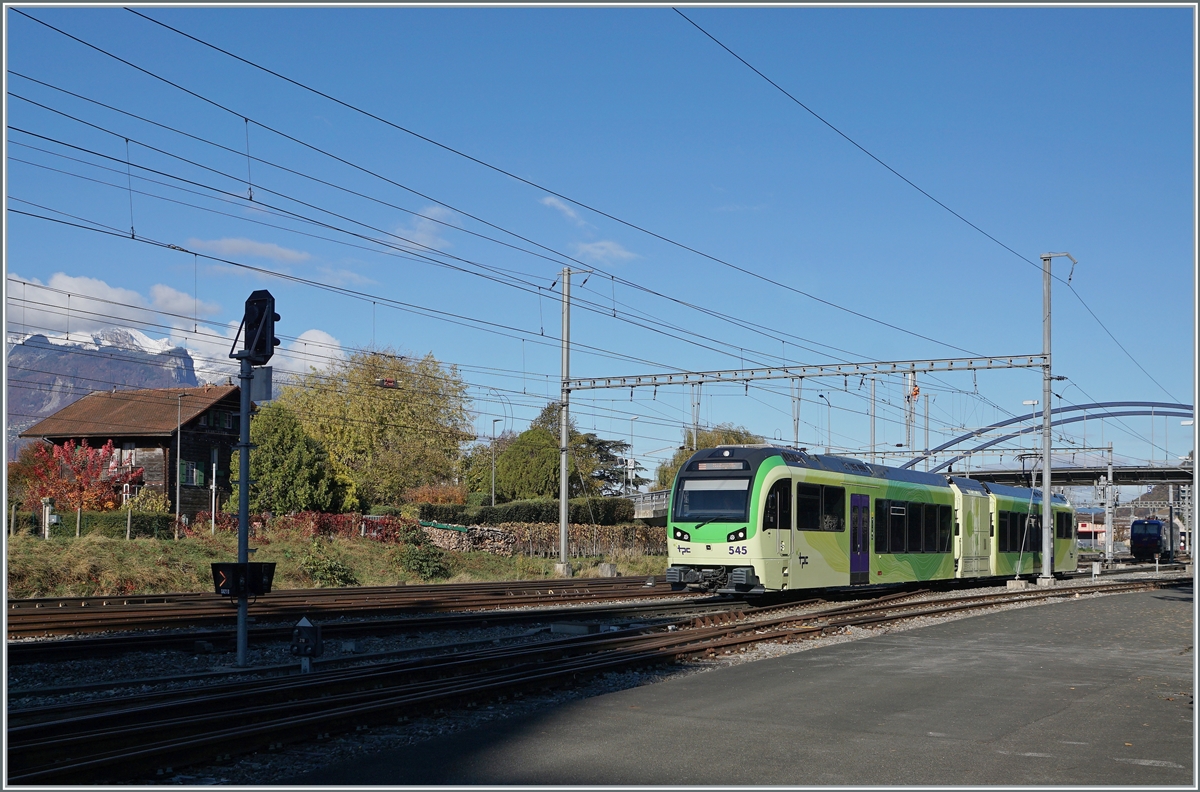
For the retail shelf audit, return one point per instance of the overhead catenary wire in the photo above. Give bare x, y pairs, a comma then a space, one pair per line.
907, 181
621, 221
708, 311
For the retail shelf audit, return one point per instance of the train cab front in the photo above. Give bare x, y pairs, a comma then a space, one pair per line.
711, 535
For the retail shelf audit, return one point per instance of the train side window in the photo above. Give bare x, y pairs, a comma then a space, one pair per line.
808, 507
945, 520
897, 521
1002, 532
778, 511
992, 525
881, 525
931, 528
833, 508
916, 519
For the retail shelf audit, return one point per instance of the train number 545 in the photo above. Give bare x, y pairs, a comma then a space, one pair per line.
737, 550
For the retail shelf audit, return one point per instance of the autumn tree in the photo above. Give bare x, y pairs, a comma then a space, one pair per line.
721, 434
385, 440
529, 466
289, 471
76, 476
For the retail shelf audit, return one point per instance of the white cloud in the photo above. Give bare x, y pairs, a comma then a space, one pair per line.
343, 277
174, 301
603, 252
312, 349
565, 209
426, 229
248, 247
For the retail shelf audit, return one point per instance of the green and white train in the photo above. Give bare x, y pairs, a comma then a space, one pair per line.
760, 519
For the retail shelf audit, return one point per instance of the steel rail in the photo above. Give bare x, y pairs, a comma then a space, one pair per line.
304, 708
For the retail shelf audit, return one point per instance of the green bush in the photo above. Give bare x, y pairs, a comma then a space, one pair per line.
584, 511
425, 561
109, 523
324, 571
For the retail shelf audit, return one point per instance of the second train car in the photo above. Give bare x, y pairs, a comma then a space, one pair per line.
761, 519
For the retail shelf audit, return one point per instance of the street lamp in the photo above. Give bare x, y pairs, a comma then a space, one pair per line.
828, 422
179, 454
629, 458
494, 422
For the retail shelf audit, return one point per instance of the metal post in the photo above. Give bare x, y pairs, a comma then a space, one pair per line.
245, 375
1171, 519
872, 420
797, 385
213, 509
563, 430
828, 421
178, 453
1047, 477
629, 457
926, 432
494, 422
1109, 513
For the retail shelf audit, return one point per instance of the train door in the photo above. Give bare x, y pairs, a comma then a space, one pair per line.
860, 529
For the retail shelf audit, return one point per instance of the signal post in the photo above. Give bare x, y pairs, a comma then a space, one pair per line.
258, 346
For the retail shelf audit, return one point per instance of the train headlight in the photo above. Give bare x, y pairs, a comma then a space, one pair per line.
736, 536
684, 535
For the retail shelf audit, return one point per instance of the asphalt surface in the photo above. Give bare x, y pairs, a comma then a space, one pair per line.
1082, 692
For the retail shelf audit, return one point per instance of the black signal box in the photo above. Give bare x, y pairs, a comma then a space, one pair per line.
250, 579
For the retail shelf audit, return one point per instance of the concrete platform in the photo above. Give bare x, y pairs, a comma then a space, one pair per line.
1083, 692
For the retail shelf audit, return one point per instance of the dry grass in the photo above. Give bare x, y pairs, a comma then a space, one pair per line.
95, 565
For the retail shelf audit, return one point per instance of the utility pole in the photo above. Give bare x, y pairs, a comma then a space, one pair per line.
494, 422
926, 432
828, 422
797, 385
563, 567
1047, 377
1109, 513
872, 420
178, 454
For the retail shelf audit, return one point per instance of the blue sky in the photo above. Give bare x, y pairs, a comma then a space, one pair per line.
1050, 129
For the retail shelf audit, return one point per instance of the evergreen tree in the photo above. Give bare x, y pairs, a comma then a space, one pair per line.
289, 471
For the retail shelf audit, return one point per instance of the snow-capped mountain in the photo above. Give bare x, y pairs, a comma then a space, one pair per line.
46, 374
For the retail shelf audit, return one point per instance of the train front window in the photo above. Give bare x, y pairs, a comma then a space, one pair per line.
718, 500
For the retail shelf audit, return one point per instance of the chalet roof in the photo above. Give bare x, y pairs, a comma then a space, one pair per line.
146, 412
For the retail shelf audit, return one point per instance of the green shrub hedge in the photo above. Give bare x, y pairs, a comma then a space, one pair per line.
110, 524
584, 511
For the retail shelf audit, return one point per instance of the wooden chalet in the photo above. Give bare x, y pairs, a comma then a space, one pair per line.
168, 432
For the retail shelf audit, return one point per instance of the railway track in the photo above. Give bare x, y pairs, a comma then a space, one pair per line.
116, 738
73, 616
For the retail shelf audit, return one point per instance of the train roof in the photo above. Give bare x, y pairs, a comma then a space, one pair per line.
757, 454
1022, 493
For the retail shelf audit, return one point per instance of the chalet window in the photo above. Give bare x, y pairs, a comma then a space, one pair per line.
204, 419
228, 420
128, 454
191, 474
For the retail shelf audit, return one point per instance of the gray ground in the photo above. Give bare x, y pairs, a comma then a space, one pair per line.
1088, 692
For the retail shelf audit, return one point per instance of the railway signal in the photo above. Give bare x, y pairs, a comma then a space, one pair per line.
259, 341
